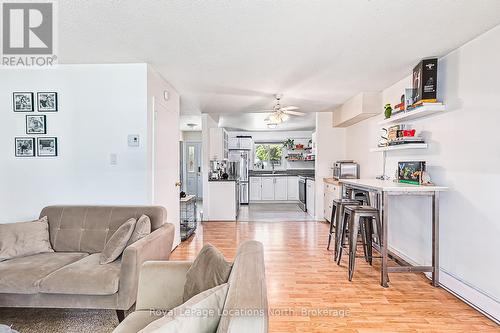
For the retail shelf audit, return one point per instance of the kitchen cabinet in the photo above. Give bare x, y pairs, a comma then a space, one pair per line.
219, 144
267, 188
240, 143
280, 188
255, 188
224, 205
331, 192
310, 202
292, 188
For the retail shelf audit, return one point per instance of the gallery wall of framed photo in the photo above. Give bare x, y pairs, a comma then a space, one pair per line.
36, 141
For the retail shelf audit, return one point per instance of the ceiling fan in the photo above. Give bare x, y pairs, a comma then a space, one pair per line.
280, 113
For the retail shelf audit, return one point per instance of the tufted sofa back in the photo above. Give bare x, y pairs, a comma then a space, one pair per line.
88, 228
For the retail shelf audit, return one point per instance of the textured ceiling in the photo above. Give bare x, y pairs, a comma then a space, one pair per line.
232, 56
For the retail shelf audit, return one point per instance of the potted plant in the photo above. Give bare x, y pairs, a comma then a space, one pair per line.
388, 111
288, 144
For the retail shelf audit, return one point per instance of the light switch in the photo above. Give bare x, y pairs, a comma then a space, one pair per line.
133, 140
113, 159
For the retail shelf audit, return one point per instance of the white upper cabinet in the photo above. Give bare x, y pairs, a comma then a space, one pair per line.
293, 188
219, 144
234, 143
241, 143
280, 188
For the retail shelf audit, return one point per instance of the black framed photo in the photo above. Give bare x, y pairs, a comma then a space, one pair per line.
23, 102
36, 124
47, 147
47, 101
25, 147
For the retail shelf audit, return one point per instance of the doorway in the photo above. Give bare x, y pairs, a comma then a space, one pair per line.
192, 169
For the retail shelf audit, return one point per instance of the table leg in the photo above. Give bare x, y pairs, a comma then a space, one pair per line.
435, 239
384, 241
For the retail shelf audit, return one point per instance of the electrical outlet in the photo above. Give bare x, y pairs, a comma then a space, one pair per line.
113, 159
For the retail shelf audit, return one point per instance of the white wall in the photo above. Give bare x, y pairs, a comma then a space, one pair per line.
192, 136
207, 122
99, 105
464, 155
330, 147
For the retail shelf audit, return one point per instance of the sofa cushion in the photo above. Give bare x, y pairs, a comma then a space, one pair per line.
117, 243
87, 228
84, 277
201, 314
208, 270
142, 229
248, 292
24, 239
23, 275
136, 321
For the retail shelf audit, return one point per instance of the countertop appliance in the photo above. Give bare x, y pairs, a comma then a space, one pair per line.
346, 170
302, 193
242, 158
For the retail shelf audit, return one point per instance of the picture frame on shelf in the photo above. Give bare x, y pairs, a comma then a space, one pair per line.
36, 124
47, 102
47, 147
24, 147
23, 102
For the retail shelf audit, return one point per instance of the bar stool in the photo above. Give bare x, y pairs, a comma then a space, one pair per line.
364, 196
359, 219
337, 212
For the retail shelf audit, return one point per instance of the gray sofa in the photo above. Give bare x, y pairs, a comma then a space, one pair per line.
161, 286
71, 276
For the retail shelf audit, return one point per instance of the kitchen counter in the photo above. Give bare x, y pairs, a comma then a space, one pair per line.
332, 181
282, 173
384, 190
222, 180
389, 185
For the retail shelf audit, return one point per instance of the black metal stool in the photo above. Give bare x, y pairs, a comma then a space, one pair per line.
359, 218
337, 212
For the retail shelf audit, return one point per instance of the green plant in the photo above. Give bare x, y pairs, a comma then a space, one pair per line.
289, 143
387, 110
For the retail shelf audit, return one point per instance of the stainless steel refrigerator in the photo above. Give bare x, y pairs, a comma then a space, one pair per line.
242, 157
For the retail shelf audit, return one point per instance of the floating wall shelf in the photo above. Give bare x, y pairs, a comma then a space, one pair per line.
401, 147
419, 112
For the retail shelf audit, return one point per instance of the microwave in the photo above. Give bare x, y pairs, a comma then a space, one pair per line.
346, 170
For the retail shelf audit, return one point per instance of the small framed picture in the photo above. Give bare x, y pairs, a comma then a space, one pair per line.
25, 147
36, 124
47, 146
23, 102
47, 101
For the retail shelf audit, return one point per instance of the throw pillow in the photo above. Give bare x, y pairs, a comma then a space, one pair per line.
201, 314
117, 243
142, 229
24, 239
208, 270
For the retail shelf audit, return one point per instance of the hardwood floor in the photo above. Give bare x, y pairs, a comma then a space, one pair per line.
302, 278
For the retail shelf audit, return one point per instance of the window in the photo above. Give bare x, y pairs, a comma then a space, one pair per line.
268, 155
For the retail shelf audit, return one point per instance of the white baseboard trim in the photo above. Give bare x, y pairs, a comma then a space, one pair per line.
469, 294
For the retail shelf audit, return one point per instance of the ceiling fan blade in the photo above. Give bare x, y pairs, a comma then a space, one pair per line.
295, 113
289, 108
260, 111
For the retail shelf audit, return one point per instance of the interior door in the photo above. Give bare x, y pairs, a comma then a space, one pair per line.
192, 167
166, 161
